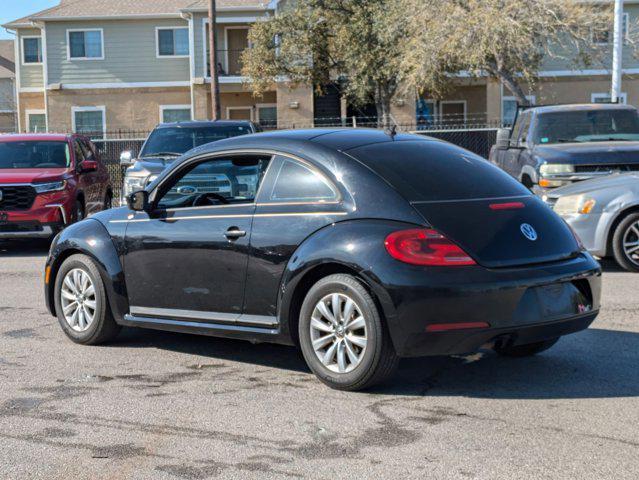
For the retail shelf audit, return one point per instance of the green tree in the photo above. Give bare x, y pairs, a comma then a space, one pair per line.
504, 39
315, 41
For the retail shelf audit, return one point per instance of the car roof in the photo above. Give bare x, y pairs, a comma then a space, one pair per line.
580, 107
340, 139
319, 145
206, 123
25, 137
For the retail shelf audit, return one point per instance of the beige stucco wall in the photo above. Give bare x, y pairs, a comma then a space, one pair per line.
7, 122
403, 110
301, 117
231, 95
29, 101
580, 89
485, 97
126, 109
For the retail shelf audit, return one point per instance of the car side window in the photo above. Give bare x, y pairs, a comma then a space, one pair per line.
525, 127
295, 181
88, 151
79, 153
217, 181
520, 128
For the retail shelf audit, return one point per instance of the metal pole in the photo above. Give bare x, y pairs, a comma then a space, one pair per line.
215, 86
617, 53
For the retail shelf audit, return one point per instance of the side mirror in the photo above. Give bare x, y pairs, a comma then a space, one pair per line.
138, 201
126, 159
87, 166
503, 139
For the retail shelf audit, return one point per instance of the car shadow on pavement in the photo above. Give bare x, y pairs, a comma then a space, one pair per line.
608, 265
263, 354
596, 363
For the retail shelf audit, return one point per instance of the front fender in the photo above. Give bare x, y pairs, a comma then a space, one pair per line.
89, 237
531, 171
357, 245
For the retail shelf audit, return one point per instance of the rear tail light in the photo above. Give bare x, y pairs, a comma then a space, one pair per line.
507, 206
445, 327
421, 246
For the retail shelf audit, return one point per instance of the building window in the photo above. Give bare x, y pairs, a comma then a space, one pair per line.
89, 121
85, 44
426, 113
452, 112
605, 37
172, 42
239, 113
607, 98
509, 108
267, 115
36, 121
175, 113
32, 50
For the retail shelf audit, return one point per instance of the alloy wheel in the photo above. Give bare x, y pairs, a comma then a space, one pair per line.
631, 243
78, 300
338, 333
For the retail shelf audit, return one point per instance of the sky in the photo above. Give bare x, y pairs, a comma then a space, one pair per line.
14, 9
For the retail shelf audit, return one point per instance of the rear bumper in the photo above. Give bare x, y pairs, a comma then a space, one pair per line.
522, 305
468, 341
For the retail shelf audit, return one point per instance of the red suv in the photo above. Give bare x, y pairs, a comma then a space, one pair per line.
48, 181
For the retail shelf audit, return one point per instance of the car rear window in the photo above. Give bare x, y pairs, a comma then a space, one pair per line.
34, 154
437, 171
180, 140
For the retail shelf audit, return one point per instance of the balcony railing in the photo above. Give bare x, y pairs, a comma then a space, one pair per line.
229, 63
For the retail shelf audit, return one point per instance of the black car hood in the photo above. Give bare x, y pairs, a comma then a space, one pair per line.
588, 153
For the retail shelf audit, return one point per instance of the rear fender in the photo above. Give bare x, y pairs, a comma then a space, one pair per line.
358, 246
90, 238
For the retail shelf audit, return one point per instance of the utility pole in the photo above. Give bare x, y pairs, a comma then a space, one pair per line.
617, 53
215, 86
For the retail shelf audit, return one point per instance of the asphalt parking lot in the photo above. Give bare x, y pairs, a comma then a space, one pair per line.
161, 405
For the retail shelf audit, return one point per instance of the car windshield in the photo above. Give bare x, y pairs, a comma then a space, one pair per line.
179, 140
587, 126
34, 154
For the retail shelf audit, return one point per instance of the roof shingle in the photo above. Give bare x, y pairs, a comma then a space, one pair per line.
123, 8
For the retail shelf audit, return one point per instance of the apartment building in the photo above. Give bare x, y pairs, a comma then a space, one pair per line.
101, 67
561, 80
8, 115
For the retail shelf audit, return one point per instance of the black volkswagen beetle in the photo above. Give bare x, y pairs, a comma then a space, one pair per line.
358, 246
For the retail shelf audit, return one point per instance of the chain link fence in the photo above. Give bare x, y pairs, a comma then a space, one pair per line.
468, 132
110, 150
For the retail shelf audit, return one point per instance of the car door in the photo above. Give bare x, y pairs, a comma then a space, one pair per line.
92, 180
186, 259
296, 200
517, 144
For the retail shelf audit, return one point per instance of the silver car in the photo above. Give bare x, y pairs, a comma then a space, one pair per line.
604, 213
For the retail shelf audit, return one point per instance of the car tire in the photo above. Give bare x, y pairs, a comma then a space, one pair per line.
626, 232
84, 329
79, 213
361, 366
526, 350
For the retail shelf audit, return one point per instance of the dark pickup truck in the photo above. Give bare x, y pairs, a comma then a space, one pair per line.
553, 146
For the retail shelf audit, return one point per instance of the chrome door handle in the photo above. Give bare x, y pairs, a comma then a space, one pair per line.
234, 233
